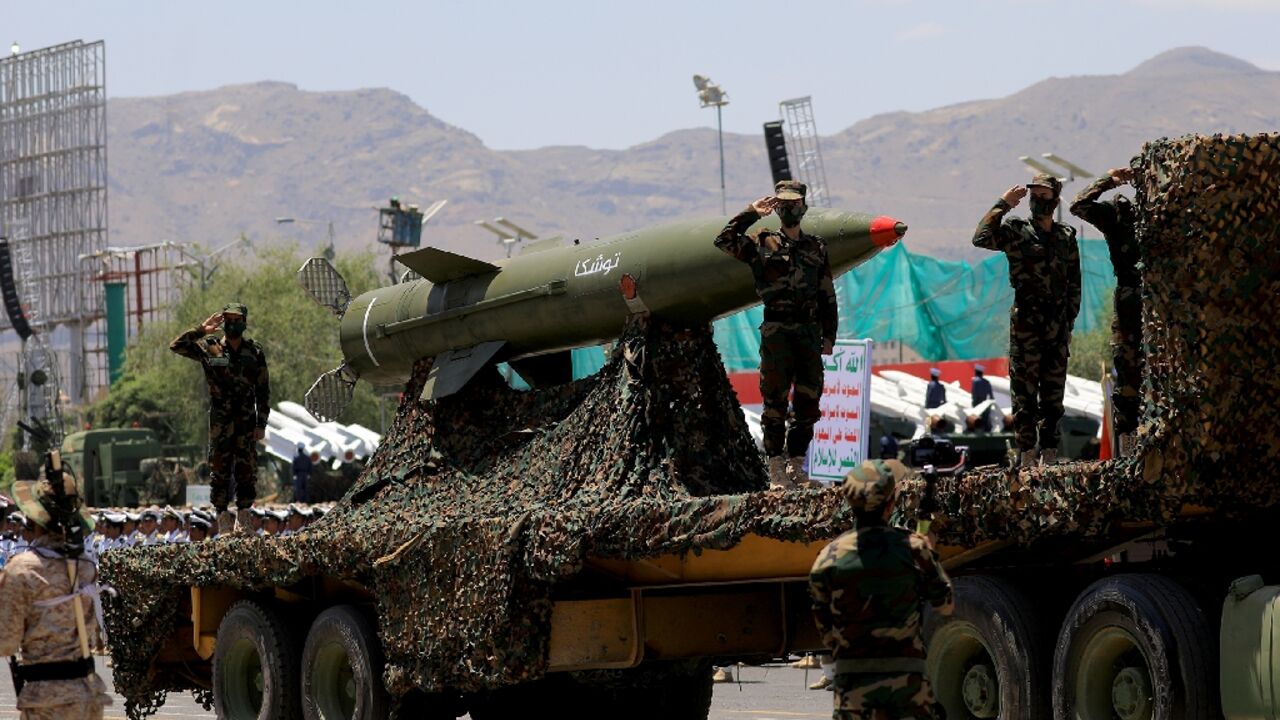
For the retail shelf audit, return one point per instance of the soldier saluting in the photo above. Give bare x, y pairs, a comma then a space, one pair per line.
235, 369
793, 280
1117, 220
1044, 270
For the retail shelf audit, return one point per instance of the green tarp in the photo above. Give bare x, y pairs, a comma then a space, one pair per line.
943, 309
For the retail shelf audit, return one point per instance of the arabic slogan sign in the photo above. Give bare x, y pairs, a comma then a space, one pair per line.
840, 440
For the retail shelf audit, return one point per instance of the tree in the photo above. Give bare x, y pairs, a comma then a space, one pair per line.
163, 391
1091, 351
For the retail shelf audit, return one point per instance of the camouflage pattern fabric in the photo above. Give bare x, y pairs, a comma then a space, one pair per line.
239, 403
872, 484
869, 587
476, 508
790, 356
884, 696
793, 280
1038, 351
1044, 270
1116, 220
233, 459
48, 634
1210, 254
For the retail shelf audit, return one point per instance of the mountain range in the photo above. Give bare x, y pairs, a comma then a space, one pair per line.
206, 166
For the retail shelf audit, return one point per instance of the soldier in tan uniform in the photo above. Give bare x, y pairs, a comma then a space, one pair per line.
49, 598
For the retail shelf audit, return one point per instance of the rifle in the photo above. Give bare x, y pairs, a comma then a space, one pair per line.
928, 503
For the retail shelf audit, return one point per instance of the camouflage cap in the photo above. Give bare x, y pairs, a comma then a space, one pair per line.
790, 190
1045, 180
236, 309
869, 486
35, 497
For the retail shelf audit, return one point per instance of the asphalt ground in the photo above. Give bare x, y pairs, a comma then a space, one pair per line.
767, 692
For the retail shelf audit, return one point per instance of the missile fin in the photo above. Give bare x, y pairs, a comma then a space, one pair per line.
330, 394
543, 370
441, 266
453, 369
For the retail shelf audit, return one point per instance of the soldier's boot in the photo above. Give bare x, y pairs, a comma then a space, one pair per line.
808, 662
778, 473
722, 675
1049, 456
1027, 458
244, 521
795, 472
226, 522
823, 683
1125, 443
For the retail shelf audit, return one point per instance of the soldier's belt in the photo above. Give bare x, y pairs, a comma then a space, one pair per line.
799, 316
62, 670
880, 665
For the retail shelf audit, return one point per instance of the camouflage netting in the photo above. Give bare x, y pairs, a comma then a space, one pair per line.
1209, 232
476, 506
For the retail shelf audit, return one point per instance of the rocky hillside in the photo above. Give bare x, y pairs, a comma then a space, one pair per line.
206, 166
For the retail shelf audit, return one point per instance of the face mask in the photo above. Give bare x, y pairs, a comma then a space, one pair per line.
1043, 206
234, 328
790, 215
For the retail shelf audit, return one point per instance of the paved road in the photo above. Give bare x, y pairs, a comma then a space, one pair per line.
771, 692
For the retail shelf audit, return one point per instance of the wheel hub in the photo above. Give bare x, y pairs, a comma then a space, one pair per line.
981, 692
1131, 694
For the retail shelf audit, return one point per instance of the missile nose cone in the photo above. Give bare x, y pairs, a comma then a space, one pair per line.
886, 231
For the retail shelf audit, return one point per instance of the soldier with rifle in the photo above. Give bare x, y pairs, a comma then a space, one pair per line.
49, 593
869, 587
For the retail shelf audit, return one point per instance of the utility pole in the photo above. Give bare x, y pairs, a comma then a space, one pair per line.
710, 95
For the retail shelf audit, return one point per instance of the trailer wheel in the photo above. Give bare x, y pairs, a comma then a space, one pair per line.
255, 665
342, 668
1136, 647
986, 659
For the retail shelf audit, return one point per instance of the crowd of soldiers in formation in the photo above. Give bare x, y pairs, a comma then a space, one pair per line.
153, 526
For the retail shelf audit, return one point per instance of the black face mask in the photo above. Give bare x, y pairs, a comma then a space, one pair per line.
790, 215
234, 328
1041, 207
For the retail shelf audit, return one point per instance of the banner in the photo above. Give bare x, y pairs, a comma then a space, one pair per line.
840, 441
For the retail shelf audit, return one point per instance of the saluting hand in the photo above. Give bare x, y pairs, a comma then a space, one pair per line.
1014, 195
764, 205
1121, 175
212, 324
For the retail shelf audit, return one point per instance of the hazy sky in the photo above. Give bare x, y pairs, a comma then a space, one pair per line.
612, 74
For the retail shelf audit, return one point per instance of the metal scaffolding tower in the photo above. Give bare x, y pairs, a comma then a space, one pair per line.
53, 189
806, 155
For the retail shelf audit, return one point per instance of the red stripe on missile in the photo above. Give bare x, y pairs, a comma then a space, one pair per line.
885, 231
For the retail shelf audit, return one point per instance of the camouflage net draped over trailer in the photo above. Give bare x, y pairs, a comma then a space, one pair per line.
1209, 233
476, 505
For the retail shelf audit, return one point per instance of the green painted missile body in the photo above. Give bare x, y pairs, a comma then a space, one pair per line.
567, 297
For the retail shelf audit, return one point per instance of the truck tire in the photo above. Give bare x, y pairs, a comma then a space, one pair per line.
987, 659
1136, 647
255, 665
342, 666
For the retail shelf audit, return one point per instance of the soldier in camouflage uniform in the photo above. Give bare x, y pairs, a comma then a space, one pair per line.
235, 369
42, 591
793, 280
1044, 270
1116, 220
869, 587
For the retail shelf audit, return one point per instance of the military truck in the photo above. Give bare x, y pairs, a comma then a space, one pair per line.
126, 467
1134, 588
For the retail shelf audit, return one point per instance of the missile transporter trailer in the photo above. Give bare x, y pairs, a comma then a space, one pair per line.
592, 547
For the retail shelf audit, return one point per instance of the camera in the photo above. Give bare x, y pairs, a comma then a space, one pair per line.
937, 452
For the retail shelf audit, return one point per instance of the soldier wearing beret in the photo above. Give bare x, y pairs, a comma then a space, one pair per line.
869, 587
1044, 270
793, 279
235, 369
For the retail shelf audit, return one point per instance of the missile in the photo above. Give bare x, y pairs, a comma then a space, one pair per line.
532, 309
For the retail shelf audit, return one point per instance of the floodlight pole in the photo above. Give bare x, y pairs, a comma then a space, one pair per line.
720, 135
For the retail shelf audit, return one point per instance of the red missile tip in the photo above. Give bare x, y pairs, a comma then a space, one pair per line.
885, 231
